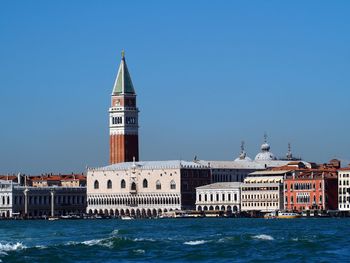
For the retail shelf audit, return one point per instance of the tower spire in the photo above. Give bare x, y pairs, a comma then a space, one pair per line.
123, 118
123, 83
289, 154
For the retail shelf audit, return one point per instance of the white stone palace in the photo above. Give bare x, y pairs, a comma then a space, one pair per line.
144, 189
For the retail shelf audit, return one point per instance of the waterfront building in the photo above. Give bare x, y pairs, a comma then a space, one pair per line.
144, 189
262, 191
38, 202
344, 189
219, 197
311, 189
123, 118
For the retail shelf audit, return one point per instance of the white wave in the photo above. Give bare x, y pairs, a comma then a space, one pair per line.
93, 242
40, 246
139, 251
295, 239
195, 242
11, 246
144, 239
6, 247
263, 237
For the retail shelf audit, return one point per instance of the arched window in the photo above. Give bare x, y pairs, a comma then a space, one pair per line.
158, 185
145, 183
133, 186
122, 184
96, 184
172, 185
109, 184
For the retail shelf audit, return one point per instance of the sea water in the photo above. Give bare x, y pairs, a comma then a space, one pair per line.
176, 240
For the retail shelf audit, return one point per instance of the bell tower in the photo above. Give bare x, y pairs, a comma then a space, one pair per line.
123, 119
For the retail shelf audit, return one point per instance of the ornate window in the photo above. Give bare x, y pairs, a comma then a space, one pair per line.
96, 184
172, 185
145, 183
109, 184
122, 184
133, 186
158, 185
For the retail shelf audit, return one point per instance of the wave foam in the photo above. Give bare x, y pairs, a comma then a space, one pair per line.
195, 242
144, 239
7, 247
263, 237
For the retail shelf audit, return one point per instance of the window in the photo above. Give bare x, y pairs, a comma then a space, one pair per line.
96, 184
122, 184
172, 185
133, 186
145, 183
200, 197
158, 185
109, 184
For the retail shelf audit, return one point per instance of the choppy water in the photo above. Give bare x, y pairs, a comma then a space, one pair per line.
210, 240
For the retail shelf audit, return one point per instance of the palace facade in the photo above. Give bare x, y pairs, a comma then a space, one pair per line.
144, 189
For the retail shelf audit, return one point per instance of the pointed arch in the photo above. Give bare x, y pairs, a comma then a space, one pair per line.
122, 184
109, 184
145, 183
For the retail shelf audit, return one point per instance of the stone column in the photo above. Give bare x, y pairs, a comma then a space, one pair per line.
26, 202
52, 203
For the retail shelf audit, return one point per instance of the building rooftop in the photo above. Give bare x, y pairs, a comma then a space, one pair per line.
241, 164
224, 185
150, 165
270, 172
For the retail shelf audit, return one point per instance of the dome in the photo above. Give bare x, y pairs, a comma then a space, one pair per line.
265, 147
265, 156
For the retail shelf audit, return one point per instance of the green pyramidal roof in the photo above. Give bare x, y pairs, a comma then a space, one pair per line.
123, 83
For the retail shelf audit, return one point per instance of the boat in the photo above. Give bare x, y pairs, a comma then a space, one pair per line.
281, 215
287, 215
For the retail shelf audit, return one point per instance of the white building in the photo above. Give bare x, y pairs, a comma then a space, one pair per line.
144, 189
36, 202
219, 197
344, 189
262, 191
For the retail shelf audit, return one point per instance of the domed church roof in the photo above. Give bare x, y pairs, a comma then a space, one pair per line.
265, 154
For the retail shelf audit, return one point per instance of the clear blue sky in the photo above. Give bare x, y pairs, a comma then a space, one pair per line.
208, 74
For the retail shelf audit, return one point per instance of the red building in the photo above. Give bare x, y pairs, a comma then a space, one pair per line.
123, 119
311, 189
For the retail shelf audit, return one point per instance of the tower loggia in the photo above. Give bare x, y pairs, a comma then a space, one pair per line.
123, 118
